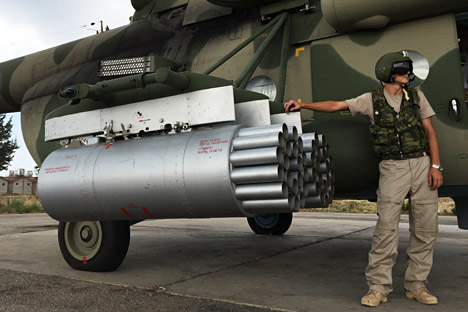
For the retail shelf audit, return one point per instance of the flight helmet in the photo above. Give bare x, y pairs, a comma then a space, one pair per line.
393, 63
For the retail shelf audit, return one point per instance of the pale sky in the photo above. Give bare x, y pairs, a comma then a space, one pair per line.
33, 25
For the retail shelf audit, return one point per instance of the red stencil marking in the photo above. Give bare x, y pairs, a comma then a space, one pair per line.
147, 212
108, 146
126, 213
84, 260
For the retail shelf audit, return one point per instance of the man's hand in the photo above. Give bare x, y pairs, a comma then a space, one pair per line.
435, 178
292, 106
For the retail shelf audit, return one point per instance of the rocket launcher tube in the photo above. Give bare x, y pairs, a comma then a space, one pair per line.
316, 201
288, 149
309, 136
324, 166
295, 150
265, 129
288, 178
313, 189
323, 153
305, 175
321, 141
309, 146
312, 172
294, 188
292, 203
258, 156
286, 162
258, 174
258, 141
277, 190
302, 198
293, 133
296, 164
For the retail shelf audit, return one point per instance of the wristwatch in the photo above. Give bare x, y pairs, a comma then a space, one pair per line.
438, 167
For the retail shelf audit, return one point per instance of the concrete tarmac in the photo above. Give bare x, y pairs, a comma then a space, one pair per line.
220, 265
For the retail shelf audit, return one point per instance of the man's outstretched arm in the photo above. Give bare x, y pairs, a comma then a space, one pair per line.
326, 106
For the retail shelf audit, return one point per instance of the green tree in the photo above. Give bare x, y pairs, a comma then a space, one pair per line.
8, 146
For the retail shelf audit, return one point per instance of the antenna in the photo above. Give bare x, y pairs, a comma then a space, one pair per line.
93, 24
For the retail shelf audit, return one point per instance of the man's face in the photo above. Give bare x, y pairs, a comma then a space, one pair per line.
401, 71
402, 79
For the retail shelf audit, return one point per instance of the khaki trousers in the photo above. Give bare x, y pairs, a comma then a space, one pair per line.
397, 179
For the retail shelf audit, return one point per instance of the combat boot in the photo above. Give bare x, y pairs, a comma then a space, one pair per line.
373, 298
422, 295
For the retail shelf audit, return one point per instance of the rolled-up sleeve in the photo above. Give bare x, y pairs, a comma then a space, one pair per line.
426, 110
361, 105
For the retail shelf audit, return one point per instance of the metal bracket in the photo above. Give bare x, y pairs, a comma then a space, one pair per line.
64, 142
108, 131
308, 8
265, 19
203, 107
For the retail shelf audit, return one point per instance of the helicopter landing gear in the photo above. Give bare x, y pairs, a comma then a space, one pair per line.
97, 246
270, 223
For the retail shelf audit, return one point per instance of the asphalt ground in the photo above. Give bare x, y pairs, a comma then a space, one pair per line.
220, 265
34, 292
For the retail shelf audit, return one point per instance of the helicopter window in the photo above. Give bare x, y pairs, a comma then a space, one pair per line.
420, 67
263, 85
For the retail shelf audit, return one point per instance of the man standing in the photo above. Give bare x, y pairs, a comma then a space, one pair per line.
403, 136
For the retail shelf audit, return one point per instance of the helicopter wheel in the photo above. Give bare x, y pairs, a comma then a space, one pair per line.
270, 223
97, 246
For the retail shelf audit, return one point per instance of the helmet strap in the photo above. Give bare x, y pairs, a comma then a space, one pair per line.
405, 93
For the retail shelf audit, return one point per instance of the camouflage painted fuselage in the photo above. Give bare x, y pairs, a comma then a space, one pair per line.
331, 55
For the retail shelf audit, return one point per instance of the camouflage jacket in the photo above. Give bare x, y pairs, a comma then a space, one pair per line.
397, 135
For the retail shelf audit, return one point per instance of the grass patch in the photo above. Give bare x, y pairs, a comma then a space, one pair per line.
446, 207
347, 206
20, 204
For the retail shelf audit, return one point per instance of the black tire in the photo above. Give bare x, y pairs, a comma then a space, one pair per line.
103, 249
270, 223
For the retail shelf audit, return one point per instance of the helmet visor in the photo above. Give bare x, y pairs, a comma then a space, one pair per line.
402, 68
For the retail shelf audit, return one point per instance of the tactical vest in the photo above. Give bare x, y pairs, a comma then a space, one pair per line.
397, 135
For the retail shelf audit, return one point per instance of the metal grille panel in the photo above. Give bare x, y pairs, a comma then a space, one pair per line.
123, 67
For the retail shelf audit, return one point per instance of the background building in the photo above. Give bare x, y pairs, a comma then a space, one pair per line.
3, 186
19, 182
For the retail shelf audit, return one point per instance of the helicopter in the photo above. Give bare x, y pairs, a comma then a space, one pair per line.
180, 113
